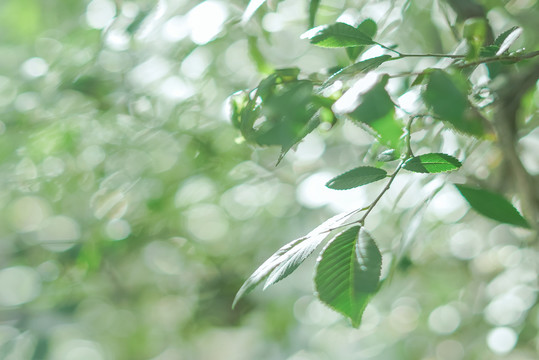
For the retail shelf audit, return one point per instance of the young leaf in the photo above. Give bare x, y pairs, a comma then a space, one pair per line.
337, 35
506, 39
313, 9
308, 243
432, 163
447, 95
348, 273
356, 177
492, 205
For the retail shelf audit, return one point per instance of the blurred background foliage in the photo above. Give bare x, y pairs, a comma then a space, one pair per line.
131, 213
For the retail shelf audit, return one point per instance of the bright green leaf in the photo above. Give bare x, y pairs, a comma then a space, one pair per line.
432, 163
492, 205
348, 273
337, 35
356, 177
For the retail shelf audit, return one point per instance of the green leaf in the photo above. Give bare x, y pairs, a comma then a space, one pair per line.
447, 95
357, 68
492, 205
369, 28
293, 258
285, 260
373, 108
337, 35
432, 163
356, 177
313, 9
348, 273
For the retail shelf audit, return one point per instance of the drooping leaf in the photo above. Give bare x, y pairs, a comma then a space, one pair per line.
252, 7
293, 258
263, 270
357, 68
509, 39
337, 35
432, 163
313, 9
348, 273
369, 28
356, 177
292, 254
447, 95
373, 108
492, 205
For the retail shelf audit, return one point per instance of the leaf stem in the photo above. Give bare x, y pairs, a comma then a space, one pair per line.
384, 190
500, 58
392, 177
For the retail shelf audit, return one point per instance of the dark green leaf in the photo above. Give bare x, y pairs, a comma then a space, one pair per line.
501, 38
369, 28
432, 163
337, 35
290, 256
492, 205
313, 9
356, 177
348, 273
447, 95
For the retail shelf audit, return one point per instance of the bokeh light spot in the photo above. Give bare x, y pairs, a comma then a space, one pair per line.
18, 285
502, 340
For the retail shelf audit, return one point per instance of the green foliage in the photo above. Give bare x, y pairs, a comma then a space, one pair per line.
492, 205
348, 272
367, 27
131, 211
432, 163
337, 35
447, 95
356, 177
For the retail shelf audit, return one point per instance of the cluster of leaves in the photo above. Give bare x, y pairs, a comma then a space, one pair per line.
284, 108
